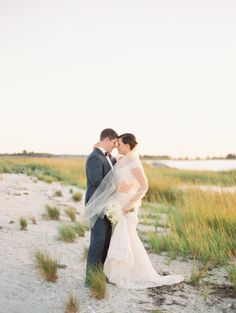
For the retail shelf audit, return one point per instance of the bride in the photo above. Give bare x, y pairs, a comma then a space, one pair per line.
127, 263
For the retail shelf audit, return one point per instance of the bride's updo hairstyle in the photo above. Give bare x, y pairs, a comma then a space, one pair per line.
129, 139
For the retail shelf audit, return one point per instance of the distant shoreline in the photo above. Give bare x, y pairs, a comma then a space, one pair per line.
43, 155
143, 157
195, 165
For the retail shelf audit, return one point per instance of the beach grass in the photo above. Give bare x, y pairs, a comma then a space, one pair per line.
167, 185
77, 196
203, 225
23, 223
53, 212
58, 193
72, 171
67, 233
80, 229
66, 169
72, 304
71, 212
96, 280
232, 274
46, 265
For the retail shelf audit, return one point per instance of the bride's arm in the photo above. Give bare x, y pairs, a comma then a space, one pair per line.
141, 178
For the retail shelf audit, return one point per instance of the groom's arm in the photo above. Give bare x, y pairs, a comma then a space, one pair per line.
141, 179
94, 170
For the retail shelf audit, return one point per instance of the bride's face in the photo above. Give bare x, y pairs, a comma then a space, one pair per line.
123, 148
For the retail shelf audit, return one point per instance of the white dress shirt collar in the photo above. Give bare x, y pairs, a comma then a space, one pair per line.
107, 157
102, 149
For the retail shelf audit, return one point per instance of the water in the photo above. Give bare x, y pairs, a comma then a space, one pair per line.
196, 165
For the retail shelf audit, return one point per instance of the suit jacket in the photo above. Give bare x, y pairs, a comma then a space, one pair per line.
97, 167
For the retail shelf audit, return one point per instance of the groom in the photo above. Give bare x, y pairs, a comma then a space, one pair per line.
98, 164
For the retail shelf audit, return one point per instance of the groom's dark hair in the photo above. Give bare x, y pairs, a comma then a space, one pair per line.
108, 133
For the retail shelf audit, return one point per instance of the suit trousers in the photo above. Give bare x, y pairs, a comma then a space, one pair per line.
99, 242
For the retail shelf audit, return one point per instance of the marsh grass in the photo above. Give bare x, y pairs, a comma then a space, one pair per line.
46, 265
49, 169
58, 193
175, 177
67, 233
72, 304
23, 223
203, 225
77, 196
198, 275
232, 274
46, 178
96, 280
53, 212
164, 184
172, 244
80, 229
71, 212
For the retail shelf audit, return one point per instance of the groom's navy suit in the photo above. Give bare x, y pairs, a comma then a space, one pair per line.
97, 167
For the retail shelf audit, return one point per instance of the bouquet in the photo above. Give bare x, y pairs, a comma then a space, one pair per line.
114, 211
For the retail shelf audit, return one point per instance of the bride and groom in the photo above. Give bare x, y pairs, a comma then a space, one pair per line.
120, 183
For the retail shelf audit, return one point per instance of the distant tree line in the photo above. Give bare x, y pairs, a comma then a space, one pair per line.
33, 154
29, 154
231, 156
156, 157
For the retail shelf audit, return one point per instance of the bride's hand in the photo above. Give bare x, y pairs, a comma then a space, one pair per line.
96, 145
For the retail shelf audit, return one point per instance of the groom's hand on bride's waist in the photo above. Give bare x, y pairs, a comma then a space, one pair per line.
123, 187
128, 210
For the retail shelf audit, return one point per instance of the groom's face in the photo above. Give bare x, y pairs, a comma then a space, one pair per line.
111, 144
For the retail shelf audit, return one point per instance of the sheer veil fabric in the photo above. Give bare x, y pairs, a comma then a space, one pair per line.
109, 187
127, 263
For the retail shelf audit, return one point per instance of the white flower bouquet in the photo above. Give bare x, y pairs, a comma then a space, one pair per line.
114, 211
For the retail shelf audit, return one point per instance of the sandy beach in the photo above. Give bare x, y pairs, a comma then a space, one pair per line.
22, 289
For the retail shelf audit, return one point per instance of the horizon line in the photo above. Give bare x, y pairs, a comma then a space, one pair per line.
228, 156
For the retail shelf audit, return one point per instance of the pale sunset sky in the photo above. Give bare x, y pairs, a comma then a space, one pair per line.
164, 70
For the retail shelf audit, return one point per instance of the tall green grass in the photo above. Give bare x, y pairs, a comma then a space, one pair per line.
203, 224
67, 233
96, 281
232, 274
46, 265
165, 184
68, 170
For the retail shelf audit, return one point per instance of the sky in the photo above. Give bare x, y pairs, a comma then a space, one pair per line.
164, 70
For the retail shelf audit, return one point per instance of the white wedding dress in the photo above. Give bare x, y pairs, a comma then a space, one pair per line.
127, 264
